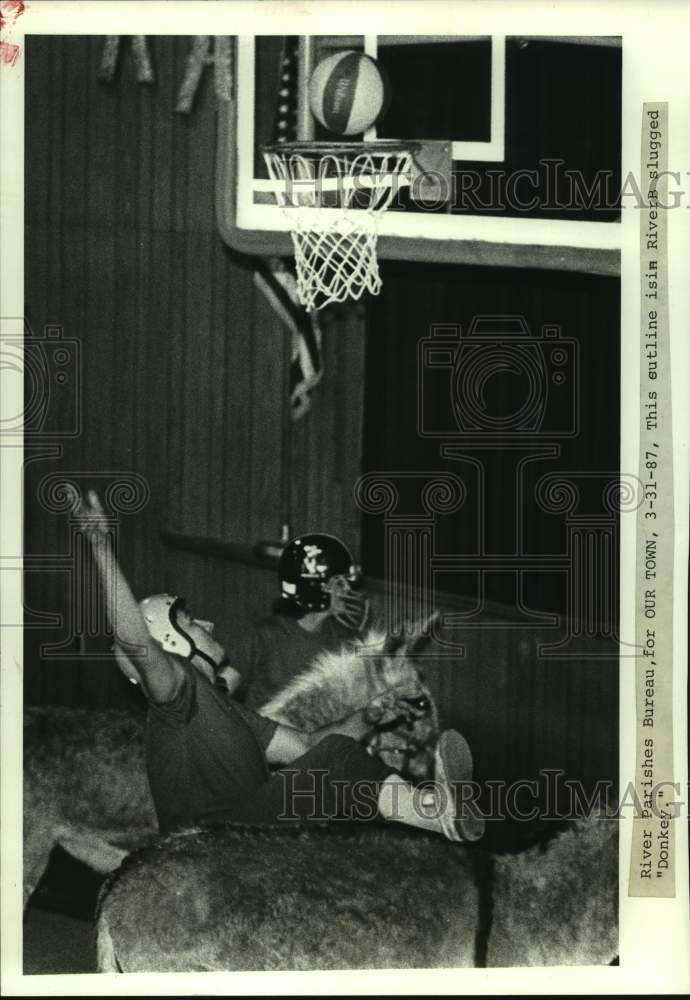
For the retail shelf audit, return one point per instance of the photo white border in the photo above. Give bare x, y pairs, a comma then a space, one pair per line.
656, 43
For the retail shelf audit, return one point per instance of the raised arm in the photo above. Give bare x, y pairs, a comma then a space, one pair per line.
160, 673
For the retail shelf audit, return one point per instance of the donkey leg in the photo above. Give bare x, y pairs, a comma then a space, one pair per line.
92, 848
39, 841
106, 959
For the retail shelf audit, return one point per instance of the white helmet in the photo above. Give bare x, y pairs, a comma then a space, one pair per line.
160, 615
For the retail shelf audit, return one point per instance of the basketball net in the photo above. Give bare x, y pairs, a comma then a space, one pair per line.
333, 195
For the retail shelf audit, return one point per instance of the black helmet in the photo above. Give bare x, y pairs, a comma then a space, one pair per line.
306, 565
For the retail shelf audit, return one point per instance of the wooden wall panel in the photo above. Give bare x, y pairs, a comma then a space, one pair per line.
236, 289
266, 360
327, 445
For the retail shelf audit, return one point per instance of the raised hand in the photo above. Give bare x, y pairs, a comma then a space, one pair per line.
91, 517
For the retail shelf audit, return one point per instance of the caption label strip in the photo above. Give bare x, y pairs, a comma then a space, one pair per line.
652, 868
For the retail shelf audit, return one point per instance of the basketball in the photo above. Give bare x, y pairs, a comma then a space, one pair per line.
348, 92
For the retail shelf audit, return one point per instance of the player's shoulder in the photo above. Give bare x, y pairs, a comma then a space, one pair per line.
336, 632
274, 624
181, 692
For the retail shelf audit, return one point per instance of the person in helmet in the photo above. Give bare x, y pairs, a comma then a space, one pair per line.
317, 574
170, 624
208, 756
320, 610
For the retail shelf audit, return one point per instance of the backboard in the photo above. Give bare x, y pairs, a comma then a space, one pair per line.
533, 125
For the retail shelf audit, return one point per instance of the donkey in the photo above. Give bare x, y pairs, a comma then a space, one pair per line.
382, 677
85, 785
85, 788
241, 898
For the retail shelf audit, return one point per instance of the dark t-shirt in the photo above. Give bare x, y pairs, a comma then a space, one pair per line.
277, 649
205, 753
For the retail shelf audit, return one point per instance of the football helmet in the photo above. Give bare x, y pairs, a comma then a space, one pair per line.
307, 564
160, 613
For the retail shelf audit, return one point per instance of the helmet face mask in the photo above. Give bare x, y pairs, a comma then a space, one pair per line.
349, 607
308, 564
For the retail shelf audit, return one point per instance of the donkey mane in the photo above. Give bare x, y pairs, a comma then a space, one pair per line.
336, 684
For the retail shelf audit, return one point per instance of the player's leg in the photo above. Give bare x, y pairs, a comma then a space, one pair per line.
338, 779
448, 805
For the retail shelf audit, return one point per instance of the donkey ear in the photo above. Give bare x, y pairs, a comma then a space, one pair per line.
393, 644
424, 634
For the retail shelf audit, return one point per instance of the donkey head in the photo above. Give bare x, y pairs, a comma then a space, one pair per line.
379, 675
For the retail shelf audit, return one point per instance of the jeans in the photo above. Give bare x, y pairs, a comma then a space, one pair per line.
336, 779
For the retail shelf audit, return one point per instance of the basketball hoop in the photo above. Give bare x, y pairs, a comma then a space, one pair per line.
333, 195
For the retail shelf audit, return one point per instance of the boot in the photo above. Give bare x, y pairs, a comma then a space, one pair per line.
459, 820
